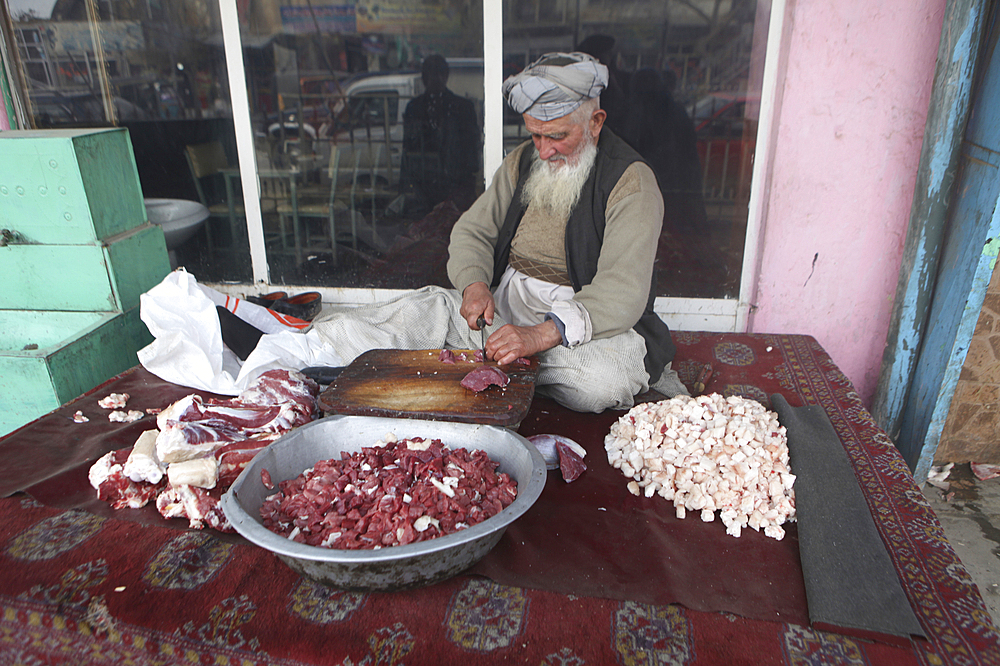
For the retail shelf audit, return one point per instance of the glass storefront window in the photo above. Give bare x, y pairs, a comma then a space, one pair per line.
367, 121
158, 69
678, 94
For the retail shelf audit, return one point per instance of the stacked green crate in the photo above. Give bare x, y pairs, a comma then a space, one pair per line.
76, 251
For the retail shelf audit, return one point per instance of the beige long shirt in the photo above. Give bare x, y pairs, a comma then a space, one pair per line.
616, 298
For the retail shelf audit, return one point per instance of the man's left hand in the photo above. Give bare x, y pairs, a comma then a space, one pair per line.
510, 342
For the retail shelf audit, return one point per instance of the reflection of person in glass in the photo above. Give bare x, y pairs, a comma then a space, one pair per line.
660, 129
556, 256
440, 140
642, 111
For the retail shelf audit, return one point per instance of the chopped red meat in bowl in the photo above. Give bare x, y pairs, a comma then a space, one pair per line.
314, 486
389, 494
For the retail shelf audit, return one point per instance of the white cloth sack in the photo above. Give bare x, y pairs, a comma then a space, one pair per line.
188, 348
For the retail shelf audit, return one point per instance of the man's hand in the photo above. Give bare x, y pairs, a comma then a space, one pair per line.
510, 342
477, 299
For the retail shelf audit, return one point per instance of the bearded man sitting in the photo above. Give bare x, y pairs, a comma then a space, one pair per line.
562, 246
557, 257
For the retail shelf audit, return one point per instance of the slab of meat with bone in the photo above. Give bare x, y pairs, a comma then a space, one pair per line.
202, 446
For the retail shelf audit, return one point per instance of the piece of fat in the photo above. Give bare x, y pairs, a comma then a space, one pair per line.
414, 445
173, 411
199, 472
101, 470
423, 522
443, 487
173, 447
131, 416
142, 463
113, 401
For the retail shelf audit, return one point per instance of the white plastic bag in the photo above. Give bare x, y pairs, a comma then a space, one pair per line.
188, 349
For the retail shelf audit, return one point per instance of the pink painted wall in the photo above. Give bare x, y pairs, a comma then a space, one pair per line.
849, 134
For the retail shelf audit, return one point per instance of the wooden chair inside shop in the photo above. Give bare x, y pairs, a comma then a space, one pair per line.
208, 163
370, 188
278, 196
331, 209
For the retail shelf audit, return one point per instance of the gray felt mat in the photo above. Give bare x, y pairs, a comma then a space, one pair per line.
851, 584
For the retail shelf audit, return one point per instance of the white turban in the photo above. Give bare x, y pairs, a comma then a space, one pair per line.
555, 85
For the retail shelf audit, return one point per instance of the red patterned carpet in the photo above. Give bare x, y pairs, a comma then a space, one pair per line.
91, 586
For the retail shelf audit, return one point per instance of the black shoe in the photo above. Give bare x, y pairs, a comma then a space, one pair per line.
304, 306
322, 374
266, 300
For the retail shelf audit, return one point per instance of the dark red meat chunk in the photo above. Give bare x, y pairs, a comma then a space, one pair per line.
571, 465
483, 377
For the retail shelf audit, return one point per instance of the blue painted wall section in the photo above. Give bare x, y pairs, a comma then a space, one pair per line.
957, 303
946, 120
966, 265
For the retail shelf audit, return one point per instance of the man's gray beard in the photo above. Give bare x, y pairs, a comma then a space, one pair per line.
557, 190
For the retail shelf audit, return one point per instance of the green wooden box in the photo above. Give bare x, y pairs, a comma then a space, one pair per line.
50, 358
69, 186
104, 277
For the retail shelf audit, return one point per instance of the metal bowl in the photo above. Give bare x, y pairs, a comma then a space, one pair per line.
395, 567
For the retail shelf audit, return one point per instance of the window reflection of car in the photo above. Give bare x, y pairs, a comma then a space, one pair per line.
50, 114
318, 97
370, 103
368, 125
725, 142
61, 109
368, 117
373, 101
720, 113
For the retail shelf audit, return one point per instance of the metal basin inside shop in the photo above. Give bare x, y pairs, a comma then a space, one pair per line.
180, 219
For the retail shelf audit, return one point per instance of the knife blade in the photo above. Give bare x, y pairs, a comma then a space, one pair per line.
481, 323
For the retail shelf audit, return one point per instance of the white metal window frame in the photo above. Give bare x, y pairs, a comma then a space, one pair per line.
693, 314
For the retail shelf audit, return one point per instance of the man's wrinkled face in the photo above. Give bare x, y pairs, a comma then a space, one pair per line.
560, 141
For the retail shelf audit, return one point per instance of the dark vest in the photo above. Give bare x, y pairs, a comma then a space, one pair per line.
585, 235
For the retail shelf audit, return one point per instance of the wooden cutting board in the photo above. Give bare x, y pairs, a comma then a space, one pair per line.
401, 383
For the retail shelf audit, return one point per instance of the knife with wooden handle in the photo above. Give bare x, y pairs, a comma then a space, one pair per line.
704, 377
